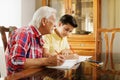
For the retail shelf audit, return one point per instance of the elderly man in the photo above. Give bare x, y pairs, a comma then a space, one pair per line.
25, 45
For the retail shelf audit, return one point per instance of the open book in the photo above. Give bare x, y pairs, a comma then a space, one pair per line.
68, 64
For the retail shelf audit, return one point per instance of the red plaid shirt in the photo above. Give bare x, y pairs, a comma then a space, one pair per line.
25, 42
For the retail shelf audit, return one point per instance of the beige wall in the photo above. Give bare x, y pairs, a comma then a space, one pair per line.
38, 4
27, 11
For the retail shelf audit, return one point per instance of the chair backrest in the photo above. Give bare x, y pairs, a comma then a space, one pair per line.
109, 38
3, 31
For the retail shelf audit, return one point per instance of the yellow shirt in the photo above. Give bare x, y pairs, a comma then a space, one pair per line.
54, 42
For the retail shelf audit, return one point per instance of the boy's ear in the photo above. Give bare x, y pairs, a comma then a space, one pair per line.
59, 24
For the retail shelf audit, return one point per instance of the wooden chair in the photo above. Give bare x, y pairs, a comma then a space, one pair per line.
108, 39
3, 31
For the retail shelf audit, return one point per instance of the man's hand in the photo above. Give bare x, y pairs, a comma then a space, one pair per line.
55, 60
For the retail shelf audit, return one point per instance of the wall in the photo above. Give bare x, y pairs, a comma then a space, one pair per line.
14, 13
10, 12
27, 11
38, 4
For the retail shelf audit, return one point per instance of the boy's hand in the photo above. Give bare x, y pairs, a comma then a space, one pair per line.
72, 56
66, 52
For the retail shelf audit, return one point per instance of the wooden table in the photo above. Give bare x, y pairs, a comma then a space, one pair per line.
23, 74
35, 72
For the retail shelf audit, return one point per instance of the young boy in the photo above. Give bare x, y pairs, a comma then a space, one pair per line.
56, 43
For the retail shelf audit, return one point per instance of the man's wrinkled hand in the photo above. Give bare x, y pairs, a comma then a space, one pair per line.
55, 60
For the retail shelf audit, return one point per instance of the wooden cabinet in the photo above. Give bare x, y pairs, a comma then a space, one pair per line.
82, 44
85, 45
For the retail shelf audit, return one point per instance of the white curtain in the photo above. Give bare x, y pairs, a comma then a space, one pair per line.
117, 13
113, 13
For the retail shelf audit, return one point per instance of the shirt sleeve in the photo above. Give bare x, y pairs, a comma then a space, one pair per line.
19, 47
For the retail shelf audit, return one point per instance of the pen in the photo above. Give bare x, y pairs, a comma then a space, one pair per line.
71, 49
56, 51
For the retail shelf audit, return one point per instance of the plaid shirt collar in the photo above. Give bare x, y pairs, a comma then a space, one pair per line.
36, 33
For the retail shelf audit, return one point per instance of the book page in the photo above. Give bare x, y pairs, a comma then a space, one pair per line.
68, 64
83, 58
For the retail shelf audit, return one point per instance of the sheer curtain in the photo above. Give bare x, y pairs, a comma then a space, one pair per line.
110, 13
114, 13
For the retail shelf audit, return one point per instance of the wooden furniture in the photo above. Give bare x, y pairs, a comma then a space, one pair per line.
23, 74
83, 44
37, 72
70, 7
110, 67
3, 31
4, 37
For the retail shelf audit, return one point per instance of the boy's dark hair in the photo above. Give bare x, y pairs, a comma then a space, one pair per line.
68, 19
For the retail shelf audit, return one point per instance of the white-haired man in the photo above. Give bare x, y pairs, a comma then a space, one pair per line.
25, 45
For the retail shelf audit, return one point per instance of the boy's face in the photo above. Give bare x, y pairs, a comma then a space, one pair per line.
65, 30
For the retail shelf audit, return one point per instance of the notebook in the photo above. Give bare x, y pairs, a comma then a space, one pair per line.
68, 64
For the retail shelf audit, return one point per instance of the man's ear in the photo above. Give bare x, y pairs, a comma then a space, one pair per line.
43, 21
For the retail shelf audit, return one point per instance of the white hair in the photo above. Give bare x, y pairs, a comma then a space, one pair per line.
42, 12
